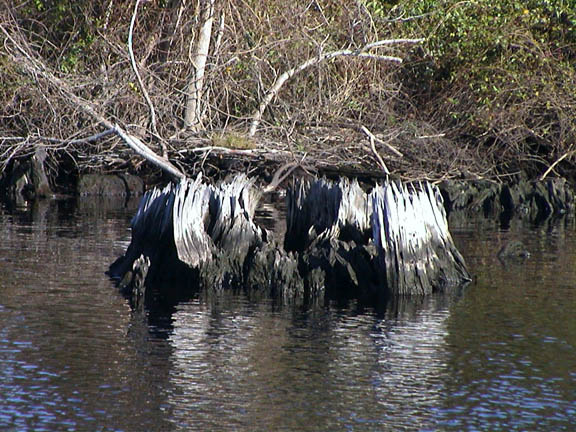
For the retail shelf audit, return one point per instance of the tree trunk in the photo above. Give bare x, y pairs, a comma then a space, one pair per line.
194, 90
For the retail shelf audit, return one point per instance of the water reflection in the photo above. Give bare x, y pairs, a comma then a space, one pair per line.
74, 356
519, 372
321, 369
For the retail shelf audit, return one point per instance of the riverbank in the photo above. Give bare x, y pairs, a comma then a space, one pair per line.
273, 166
473, 91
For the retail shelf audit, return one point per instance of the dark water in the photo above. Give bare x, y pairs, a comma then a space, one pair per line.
500, 355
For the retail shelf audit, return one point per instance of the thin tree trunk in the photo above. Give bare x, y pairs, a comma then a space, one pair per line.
194, 90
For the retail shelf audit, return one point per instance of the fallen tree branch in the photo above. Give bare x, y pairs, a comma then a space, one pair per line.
90, 139
144, 151
281, 174
560, 159
223, 150
360, 52
37, 69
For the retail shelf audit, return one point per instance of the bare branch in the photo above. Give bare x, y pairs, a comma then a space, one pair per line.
36, 69
371, 137
144, 151
360, 52
139, 78
87, 140
560, 159
385, 42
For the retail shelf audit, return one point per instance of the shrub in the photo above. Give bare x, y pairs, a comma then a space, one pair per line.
502, 72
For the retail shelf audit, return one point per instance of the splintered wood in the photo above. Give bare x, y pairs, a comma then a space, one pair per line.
411, 233
391, 241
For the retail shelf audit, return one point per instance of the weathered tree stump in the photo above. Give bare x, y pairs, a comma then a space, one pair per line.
414, 244
206, 234
323, 210
394, 240
27, 180
340, 240
328, 227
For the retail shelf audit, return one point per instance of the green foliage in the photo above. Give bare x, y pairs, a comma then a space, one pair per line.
498, 65
67, 26
380, 8
39, 4
487, 32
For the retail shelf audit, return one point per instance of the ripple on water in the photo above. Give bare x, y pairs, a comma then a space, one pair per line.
498, 356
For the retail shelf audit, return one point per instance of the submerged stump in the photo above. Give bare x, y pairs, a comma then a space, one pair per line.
415, 248
340, 240
203, 236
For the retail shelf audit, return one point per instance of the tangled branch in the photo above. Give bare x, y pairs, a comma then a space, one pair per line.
360, 52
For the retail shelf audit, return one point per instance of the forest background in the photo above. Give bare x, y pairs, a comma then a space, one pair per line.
435, 89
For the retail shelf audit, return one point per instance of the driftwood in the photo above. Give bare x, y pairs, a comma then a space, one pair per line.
339, 240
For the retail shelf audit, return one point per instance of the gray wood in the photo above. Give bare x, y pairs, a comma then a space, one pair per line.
393, 241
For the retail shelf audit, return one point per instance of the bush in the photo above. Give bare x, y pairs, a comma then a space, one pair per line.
502, 73
496, 80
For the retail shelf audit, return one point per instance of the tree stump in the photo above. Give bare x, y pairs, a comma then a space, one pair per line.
340, 240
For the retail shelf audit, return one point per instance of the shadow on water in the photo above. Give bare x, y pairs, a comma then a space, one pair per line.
161, 302
499, 354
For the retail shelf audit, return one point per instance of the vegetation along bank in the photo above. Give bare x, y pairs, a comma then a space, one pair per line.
421, 89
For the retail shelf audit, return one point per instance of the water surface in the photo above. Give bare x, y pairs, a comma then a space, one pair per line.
498, 355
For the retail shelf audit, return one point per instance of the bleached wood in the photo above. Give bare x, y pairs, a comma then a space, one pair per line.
360, 52
152, 220
410, 252
556, 162
320, 210
190, 218
194, 90
145, 151
201, 220
372, 138
410, 230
